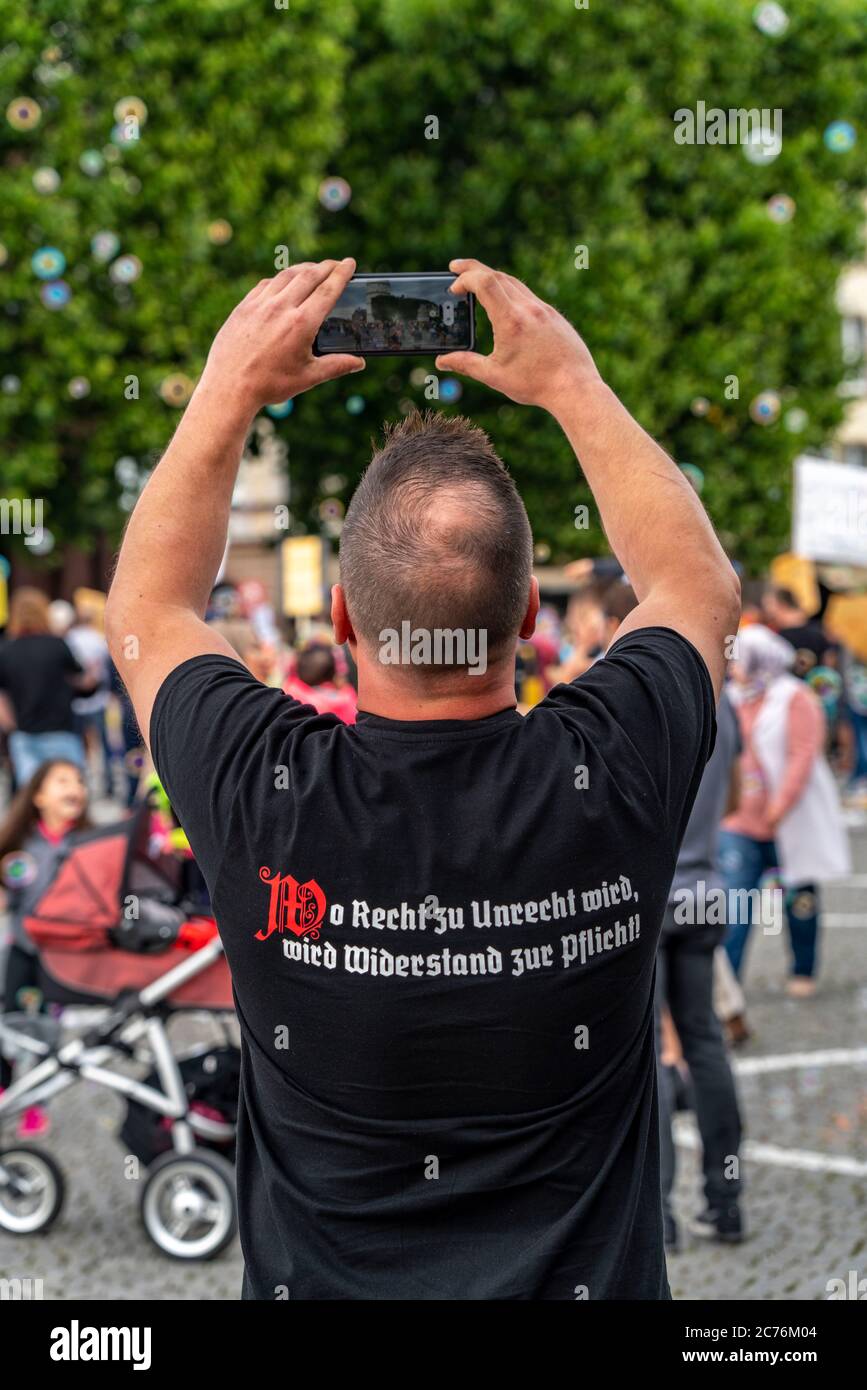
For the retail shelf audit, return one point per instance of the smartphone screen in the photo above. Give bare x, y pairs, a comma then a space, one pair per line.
399, 315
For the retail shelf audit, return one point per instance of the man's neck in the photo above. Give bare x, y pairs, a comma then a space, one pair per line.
471, 697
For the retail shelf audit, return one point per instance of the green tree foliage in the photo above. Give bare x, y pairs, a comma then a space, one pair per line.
243, 107
555, 131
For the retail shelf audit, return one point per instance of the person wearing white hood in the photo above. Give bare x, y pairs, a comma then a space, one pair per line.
788, 816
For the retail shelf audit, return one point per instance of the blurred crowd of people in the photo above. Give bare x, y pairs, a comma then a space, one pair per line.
767, 830
61, 697
767, 827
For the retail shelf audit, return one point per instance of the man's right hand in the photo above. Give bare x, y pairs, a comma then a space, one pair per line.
538, 358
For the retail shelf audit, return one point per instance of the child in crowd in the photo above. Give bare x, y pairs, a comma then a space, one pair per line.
45, 811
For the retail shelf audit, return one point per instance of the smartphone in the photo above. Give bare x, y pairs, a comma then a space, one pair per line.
399, 315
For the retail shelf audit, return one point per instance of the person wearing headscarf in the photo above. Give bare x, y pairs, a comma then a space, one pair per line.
788, 818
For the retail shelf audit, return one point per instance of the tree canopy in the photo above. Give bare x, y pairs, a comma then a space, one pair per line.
540, 139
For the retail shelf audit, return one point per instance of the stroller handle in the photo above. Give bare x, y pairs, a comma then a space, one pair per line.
187, 970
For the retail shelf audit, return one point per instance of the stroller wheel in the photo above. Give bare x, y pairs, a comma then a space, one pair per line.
32, 1190
188, 1206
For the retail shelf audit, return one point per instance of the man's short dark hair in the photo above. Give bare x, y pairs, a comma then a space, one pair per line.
618, 600
785, 597
436, 535
315, 665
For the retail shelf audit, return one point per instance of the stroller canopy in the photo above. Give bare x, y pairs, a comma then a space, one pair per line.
97, 873
104, 880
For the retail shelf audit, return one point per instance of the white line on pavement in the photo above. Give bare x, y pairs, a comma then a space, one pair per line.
784, 1061
686, 1135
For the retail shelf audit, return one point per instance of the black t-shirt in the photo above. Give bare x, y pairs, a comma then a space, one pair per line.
34, 672
442, 939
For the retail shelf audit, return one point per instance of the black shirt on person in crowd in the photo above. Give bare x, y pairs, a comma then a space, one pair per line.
442, 939
34, 672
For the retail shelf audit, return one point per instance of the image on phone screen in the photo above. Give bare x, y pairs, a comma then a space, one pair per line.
399, 314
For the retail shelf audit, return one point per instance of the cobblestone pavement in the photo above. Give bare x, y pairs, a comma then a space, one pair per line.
808, 1223
805, 1163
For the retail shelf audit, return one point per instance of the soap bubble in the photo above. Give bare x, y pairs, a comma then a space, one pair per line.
781, 1103
334, 194
136, 761
781, 208
104, 245
220, 231
130, 106
355, 405
24, 113
795, 420
771, 19
762, 145
125, 269
694, 474
46, 180
44, 545
91, 162
450, 389
332, 509
48, 263
839, 136
78, 388
700, 405
765, 407
176, 389
55, 295
126, 471
18, 870
280, 409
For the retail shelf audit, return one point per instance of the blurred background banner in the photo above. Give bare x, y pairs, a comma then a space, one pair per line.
304, 587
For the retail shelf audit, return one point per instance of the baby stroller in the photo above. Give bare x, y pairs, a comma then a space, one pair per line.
112, 929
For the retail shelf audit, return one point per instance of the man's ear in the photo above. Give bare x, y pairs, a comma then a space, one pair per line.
340, 617
528, 626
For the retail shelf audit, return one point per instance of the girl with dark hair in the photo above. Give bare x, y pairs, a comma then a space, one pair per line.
50, 807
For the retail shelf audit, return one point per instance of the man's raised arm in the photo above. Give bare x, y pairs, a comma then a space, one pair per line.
177, 534
655, 523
